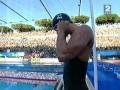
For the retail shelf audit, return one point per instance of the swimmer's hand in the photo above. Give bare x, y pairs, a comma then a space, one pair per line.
62, 27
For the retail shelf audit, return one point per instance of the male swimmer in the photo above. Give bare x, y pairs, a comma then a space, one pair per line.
75, 53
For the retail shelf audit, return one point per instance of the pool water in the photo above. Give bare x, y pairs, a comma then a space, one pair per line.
9, 85
4, 85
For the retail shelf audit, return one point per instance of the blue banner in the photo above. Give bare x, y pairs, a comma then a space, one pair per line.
108, 53
12, 54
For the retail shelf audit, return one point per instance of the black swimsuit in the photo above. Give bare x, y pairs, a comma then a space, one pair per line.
75, 74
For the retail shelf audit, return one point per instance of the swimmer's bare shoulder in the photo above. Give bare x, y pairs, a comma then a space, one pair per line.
86, 33
84, 30
83, 34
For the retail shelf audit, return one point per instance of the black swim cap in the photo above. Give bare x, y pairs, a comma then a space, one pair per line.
60, 16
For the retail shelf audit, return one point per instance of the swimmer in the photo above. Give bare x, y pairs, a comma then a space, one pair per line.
75, 53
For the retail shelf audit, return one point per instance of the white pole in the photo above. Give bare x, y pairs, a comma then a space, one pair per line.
94, 46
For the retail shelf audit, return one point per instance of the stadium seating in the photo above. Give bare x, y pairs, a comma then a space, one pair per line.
42, 44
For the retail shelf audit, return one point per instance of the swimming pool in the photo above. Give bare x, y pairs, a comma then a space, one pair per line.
4, 85
28, 77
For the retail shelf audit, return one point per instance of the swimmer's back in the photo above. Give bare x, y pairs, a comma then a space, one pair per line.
86, 52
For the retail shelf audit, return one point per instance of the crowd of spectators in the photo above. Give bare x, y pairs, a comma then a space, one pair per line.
35, 43
42, 44
108, 37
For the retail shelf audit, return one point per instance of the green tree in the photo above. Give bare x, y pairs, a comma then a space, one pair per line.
101, 20
118, 20
5, 29
80, 19
108, 18
23, 27
46, 23
111, 18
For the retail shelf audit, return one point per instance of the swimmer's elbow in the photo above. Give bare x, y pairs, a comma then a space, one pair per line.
63, 58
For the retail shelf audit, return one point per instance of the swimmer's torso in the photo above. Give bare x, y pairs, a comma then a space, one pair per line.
86, 52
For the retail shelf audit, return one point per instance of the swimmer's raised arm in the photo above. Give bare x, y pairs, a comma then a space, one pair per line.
74, 47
